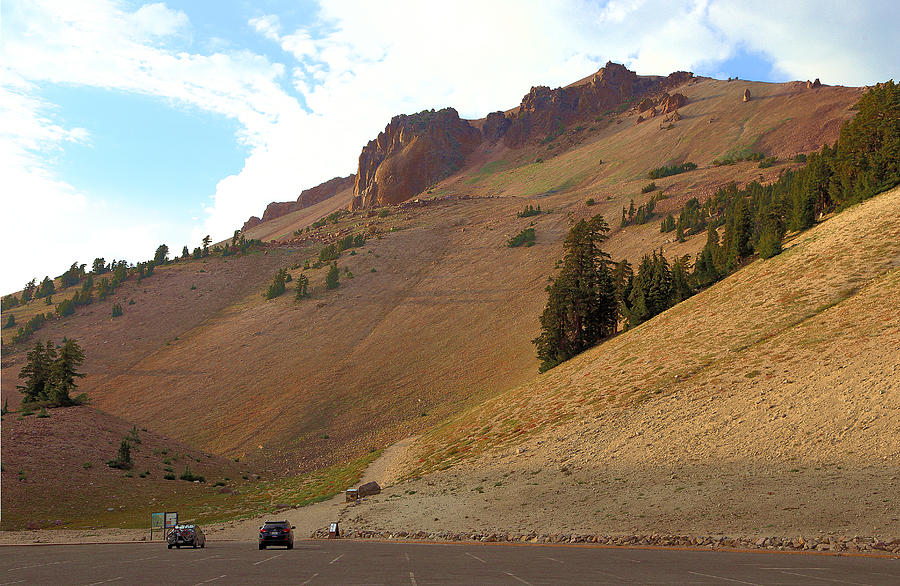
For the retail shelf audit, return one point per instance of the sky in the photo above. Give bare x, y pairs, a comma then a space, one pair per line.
127, 124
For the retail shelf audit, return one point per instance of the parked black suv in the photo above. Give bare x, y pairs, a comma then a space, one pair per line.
276, 533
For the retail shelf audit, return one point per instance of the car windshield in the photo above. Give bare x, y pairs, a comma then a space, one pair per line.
276, 526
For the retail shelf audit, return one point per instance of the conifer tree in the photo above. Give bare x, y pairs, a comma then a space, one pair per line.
332, 279
99, 266
707, 268
64, 371
161, 256
302, 287
28, 291
37, 372
582, 308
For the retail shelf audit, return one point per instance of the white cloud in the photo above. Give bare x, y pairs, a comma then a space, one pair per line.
374, 60
158, 20
842, 43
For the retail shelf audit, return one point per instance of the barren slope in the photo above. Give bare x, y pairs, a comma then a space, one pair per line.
767, 405
446, 318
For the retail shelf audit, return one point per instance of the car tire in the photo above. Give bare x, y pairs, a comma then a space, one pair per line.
169, 546
261, 546
203, 545
290, 546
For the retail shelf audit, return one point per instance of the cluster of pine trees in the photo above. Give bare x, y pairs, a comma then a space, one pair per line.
589, 298
50, 372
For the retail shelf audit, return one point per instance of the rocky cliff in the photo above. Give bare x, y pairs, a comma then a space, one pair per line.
411, 153
307, 197
544, 113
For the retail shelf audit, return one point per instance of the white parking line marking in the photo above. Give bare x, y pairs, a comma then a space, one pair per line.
212, 557
723, 578
476, 557
16, 582
211, 580
552, 559
826, 579
310, 579
517, 578
792, 568
412, 579
406, 555
38, 565
105, 581
267, 559
139, 559
335, 559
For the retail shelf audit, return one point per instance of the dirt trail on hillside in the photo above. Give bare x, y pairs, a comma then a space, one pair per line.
311, 517
306, 519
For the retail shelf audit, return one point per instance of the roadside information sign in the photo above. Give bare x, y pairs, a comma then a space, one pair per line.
157, 522
171, 519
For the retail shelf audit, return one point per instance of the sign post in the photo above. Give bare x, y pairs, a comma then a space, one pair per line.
157, 521
171, 519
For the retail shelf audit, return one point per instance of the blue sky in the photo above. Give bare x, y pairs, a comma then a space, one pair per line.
126, 124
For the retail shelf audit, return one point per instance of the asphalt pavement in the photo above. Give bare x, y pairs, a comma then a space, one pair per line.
420, 564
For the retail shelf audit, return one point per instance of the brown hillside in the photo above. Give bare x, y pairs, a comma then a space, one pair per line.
447, 317
765, 405
54, 472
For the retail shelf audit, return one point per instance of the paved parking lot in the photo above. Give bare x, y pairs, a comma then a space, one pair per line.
419, 564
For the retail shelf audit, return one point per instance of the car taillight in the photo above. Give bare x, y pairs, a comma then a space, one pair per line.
262, 530
286, 530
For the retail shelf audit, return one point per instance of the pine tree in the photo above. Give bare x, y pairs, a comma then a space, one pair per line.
582, 306
185, 253
64, 371
161, 256
707, 269
206, 242
302, 287
37, 372
332, 279
28, 291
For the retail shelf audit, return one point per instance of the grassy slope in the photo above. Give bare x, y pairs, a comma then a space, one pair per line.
767, 404
445, 320
283, 227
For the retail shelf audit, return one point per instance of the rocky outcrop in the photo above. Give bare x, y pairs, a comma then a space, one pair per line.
813, 84
413, 152
669, 103
495, 126
747, 97
544, 113
307, 197
323, 191
253, 222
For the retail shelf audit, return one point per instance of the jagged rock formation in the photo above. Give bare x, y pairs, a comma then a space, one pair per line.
411, 153
416, 151
544, 113
495, 126
253, 222
813, 84
670, 103
307, 197
747, 97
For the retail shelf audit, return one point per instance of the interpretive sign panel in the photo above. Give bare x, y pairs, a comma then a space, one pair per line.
171, 519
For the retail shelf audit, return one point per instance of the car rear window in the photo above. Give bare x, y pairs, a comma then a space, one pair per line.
276, 525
